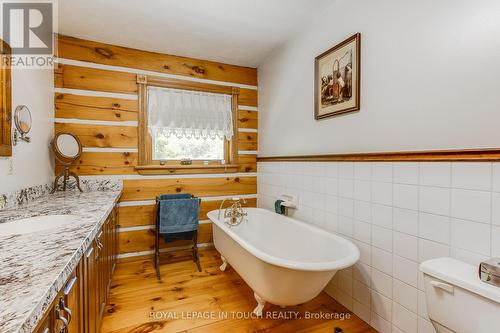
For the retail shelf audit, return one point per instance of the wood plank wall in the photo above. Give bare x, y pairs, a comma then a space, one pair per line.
96, 99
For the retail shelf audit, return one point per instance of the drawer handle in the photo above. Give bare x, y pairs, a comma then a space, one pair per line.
66, 310
69, 286
98, 241
443, 286
64, 328
89, 251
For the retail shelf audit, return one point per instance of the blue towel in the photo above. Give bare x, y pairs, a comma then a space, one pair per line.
188, 235
175, 196
178, 215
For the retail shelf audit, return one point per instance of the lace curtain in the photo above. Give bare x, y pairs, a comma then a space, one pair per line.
189, 114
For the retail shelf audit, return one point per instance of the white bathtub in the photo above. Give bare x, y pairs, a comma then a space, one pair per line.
284, 261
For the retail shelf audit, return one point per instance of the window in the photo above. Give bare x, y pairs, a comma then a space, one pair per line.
183, 120
5, 100
171, 147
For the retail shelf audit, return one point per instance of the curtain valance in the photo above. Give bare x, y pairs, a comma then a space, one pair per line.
189, 114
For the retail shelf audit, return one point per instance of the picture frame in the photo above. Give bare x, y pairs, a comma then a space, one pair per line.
337, 74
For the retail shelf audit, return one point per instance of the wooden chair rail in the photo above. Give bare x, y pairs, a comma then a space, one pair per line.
471, 155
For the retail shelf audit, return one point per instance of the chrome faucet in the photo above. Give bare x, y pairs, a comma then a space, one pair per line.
235, 212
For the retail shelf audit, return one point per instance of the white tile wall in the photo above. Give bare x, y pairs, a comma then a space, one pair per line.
398, 214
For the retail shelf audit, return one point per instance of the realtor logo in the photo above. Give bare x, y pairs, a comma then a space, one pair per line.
28, 27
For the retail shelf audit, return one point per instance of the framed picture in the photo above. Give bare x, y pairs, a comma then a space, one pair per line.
337, 79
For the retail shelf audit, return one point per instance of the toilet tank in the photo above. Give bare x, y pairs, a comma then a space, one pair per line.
457, 300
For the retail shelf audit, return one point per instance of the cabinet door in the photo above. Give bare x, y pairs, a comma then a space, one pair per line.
109, 251
116, 225
91, 289
70, 302
68, 305
98, 270
101, 272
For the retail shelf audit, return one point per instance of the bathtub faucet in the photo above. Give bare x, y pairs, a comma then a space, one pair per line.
235, 212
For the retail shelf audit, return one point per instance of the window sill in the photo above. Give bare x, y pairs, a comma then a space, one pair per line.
193, 168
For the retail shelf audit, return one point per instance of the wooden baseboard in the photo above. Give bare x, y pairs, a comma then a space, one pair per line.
470, 155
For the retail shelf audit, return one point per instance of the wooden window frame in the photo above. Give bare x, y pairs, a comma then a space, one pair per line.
146, 164
5, 101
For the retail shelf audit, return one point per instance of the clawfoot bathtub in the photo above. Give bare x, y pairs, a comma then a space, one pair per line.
284, 261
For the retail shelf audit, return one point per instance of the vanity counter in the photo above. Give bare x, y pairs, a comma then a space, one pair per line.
34, 266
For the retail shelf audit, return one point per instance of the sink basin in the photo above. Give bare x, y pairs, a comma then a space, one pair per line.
36, 224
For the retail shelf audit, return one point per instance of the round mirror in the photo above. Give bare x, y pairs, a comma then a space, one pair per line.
22, 119
67, 147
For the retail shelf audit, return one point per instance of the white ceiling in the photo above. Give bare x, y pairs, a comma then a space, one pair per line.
241, 32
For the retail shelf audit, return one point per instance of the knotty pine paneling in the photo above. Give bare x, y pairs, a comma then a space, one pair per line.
95, 108
247, 163
106, 163
134, 216
247, 119
102, 136
85, 78
247, 141
149, 189
208, 206
248, 97
100, 53
105, 108
123, 163
96, 170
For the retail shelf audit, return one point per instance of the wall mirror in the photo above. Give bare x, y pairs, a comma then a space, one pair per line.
67, 149
5, 101
22, 120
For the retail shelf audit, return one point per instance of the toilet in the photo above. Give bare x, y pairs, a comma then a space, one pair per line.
457, 300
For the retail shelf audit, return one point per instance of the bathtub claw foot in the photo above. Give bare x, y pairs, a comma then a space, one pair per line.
260, 305
224, 264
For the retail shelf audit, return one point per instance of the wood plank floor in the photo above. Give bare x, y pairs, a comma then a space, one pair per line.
184, 295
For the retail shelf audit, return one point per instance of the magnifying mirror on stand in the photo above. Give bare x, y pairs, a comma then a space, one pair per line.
22, 120
67, 149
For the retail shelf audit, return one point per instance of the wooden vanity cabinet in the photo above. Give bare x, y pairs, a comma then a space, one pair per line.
114, 239
100, 268
66, 314
73, 298
80, 305
91, 289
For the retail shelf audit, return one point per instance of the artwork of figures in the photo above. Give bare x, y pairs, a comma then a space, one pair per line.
337, 78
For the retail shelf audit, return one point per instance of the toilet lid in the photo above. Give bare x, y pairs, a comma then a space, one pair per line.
460, 274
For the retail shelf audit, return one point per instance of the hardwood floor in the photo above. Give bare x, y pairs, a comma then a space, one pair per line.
188, 294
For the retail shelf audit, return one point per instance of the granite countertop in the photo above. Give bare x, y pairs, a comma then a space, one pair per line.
35, 266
